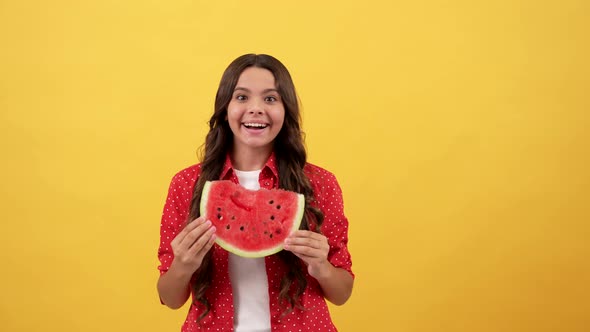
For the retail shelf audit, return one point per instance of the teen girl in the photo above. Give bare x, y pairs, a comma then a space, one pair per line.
255, 140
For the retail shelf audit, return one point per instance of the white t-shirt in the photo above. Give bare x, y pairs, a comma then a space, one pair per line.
248, 280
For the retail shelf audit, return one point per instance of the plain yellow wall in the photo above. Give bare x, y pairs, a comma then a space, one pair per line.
458, 131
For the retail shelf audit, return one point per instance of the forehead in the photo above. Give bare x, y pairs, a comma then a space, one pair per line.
255, 78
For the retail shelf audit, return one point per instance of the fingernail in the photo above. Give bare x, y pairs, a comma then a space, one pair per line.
208, 222
212, 229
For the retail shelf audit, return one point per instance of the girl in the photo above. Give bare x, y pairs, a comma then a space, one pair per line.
255, 140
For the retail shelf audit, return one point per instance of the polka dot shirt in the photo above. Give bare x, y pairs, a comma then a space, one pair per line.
315, 317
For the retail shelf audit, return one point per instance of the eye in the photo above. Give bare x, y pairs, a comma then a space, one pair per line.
241, 97
271, 99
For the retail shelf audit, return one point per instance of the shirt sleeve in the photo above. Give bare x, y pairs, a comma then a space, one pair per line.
335, 225
174, 216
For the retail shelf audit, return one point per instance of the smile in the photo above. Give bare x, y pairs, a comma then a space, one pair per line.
252, 125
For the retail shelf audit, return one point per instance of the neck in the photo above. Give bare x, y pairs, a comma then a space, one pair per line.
250, 159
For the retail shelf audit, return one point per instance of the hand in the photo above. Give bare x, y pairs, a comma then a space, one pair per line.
313, 249
192, 244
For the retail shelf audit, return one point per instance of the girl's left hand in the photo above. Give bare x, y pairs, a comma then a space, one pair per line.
313, 249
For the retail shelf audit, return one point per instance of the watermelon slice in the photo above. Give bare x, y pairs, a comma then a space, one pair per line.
251, 223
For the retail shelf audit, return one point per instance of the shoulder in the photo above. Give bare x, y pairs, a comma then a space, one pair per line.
186, 177
317, 174
323, 182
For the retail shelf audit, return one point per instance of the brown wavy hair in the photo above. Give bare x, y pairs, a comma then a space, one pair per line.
291, 158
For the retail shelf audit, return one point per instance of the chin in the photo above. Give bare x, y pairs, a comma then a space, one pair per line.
254, 144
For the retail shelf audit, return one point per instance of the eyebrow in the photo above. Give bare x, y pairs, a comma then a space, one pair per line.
248, 90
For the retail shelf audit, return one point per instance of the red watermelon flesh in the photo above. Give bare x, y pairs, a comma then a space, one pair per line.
251, 223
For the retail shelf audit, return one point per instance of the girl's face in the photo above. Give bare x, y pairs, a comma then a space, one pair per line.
255, 112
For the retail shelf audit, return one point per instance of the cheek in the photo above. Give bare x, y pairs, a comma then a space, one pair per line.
278, 114
280, 118
232, 119
232, 114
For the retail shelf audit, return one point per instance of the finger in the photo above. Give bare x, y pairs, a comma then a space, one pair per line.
194, 235
305, 259
301, 233
304, 242
308, 234
201, 253
202, 241
303, 251
187, 229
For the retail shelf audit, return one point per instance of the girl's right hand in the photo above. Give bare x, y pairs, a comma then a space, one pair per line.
192, 244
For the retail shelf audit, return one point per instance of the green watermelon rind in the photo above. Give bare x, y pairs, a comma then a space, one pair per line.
252, 254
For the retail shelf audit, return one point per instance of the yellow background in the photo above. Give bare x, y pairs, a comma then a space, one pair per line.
457, 129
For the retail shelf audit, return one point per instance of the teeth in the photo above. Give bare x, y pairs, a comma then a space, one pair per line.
257, 125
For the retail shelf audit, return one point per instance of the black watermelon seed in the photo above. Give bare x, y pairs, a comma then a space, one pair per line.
219, 216
233, 217
278, 231
271, 236
227, 227
218, 209
272, 217
278, 207
241, 228
271, 201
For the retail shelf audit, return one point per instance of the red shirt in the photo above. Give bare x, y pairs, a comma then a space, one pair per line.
316, 317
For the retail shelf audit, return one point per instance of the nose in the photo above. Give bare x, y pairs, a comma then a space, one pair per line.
255, 107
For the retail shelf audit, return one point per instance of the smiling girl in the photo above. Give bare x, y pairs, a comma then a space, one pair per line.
255, 139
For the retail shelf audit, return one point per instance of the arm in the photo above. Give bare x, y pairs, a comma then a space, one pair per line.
336, 284
189, 247
326, 256
181, 244
174, 288
313, 248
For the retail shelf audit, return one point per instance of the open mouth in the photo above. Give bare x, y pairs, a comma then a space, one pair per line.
252, 125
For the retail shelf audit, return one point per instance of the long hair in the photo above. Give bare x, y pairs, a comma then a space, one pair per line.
291, 158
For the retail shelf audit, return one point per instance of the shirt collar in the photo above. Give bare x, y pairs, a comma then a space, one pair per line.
269, 166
